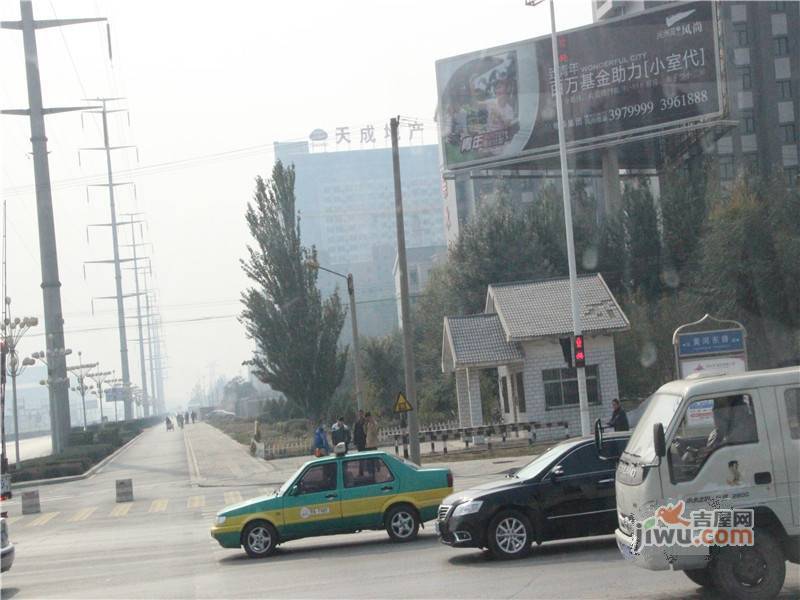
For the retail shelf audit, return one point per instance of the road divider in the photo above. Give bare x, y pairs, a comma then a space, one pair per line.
30, 502
124, 490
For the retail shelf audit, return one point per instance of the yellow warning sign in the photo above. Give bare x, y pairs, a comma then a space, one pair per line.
402, 404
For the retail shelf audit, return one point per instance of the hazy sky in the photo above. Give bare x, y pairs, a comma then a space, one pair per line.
209, 86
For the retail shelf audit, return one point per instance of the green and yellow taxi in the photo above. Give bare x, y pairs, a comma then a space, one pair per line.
344, 493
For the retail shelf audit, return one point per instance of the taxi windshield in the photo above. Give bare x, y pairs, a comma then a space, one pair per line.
288, 483
660, 409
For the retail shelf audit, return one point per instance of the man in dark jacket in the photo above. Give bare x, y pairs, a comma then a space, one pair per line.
340, 432
619, 420
360, 432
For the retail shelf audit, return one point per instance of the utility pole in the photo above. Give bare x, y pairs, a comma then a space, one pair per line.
123, 338
134, 245
48, 255
158, 400
405, 308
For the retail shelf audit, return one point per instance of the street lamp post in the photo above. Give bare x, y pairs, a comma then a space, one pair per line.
80, 370
99, 379
573, 276
46, 357
13, 330
351, 292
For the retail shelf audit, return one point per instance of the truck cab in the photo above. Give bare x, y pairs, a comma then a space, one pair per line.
709, 453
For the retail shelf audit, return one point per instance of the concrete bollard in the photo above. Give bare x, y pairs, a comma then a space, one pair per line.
124, 490
30, 502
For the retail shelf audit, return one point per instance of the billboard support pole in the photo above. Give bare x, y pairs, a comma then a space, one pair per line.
573, 277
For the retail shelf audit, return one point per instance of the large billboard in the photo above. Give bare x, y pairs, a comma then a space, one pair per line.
620, 78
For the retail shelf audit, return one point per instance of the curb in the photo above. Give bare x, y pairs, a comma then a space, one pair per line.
90, 472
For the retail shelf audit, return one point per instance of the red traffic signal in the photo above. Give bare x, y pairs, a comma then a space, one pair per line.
580, 353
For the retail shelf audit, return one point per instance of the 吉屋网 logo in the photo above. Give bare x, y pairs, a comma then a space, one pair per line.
719, 527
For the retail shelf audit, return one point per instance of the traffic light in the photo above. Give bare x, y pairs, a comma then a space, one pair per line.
566, 350
580, 354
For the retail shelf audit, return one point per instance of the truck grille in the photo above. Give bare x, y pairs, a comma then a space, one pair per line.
444, 510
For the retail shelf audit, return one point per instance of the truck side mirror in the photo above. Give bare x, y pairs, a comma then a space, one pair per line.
659, 441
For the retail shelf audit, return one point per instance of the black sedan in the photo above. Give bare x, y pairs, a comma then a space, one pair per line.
566, 492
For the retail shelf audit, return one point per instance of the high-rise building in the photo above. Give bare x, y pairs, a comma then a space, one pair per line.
345, 200
761, 48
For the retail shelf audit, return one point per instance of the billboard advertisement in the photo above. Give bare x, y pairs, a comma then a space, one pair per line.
620, 78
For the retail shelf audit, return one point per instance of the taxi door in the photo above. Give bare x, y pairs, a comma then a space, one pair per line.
367, 484
313, 506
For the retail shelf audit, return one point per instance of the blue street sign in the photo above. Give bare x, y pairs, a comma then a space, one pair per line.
710, 342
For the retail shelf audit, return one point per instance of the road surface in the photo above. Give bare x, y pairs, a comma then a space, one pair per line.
84, 545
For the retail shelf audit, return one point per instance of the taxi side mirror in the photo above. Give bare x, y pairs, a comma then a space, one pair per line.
294, 490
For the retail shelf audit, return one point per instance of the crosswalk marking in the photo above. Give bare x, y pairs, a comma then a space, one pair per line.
41, 520
233, 497
82, 514
196, 502
159, 505
120, 510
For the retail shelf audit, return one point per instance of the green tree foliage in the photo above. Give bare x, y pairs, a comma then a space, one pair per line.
383, 372
296, 331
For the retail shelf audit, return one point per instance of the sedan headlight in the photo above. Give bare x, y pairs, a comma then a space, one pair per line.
467, 508
220, 520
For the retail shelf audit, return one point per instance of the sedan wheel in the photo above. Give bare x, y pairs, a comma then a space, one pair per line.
402, 523
259, 539
510, 535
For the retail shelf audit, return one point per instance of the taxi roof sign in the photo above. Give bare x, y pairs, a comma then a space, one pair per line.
402, 404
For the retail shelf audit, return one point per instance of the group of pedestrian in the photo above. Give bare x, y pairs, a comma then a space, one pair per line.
181, 418
364, 434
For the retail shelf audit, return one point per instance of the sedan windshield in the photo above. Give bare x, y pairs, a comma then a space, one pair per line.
660, 409
541, 462
287, 484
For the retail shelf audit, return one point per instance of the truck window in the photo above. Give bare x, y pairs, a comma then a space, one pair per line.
792, 399
708, 425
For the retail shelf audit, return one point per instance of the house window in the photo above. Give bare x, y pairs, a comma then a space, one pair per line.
519, 379
726, 167
741, 34
778, 6
785, 89
561, 387
781, 46
746, 78
504, 393
748, 123
789, 133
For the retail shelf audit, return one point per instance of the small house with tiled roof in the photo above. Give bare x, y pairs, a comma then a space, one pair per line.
518, 334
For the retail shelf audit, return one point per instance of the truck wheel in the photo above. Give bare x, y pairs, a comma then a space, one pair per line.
259, 539
510, 534
750, 572
402, 523
701, 577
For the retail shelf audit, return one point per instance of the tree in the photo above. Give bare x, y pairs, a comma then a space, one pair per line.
383, 372
295, 330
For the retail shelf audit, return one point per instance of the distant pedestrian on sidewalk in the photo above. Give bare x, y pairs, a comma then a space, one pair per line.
340, 433
194, 417
360, 432
321, 445
372, 432
168, 423
619, 420
186, 417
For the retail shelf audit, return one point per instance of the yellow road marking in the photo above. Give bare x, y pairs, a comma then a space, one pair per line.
232, 497
159, 505
41, 520
120, 510
82, 514
196, 502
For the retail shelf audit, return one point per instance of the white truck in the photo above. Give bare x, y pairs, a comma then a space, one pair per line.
709, 482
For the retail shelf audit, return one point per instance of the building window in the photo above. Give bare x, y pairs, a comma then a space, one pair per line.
518, 379
748, 123
784, 89
504, 393
561, 387
781, 46
778, 6
746, 78
741, 34
726, 167
789, 133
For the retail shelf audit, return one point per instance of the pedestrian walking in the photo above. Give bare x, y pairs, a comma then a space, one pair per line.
619, 420
168, 423
194, 417
372, 432
340, 433
186, 417
360, 432
179, 419
321, 445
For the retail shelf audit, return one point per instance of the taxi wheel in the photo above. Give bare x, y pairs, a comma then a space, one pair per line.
402, 523
259, 539
510, 535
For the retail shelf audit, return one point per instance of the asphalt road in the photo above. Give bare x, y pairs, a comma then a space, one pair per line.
84, 545
29, 448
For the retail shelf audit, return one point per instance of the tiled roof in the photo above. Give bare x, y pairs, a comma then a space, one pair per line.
531, 309
477, 340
